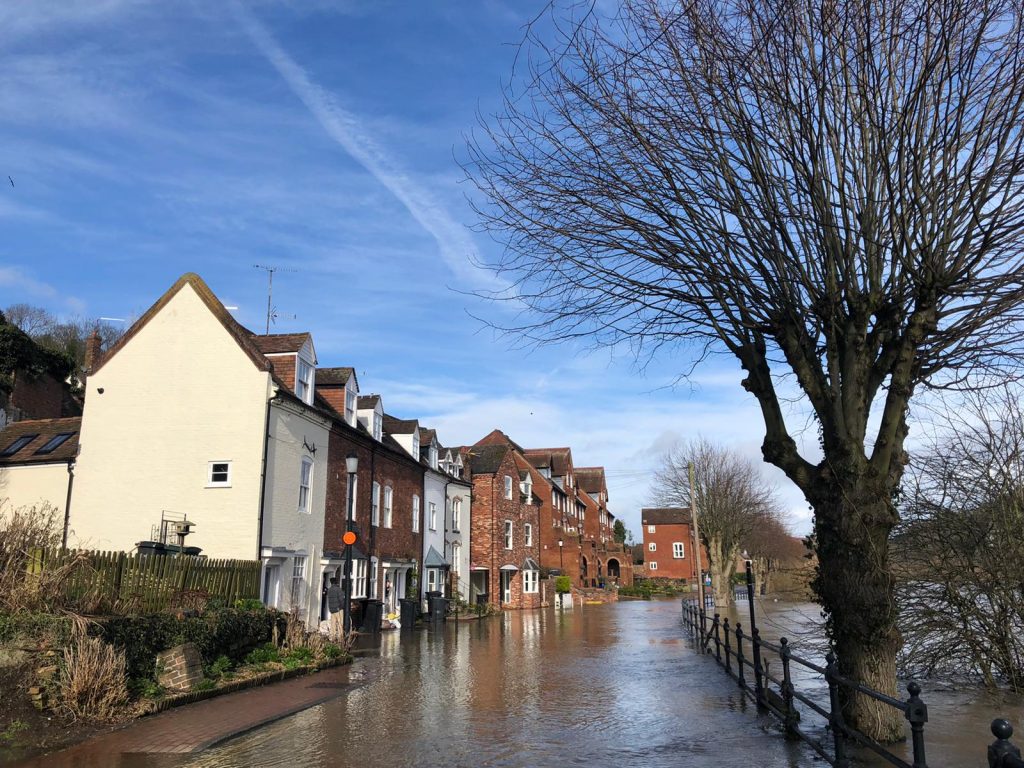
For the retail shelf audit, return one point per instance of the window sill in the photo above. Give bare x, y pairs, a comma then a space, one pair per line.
217, 485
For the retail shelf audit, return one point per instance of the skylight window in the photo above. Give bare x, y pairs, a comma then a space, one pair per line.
18, 444
54, 443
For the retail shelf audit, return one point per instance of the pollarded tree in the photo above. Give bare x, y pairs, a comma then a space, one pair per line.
733, 503
829, 190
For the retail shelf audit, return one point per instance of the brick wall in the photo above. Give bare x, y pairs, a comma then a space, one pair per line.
180, 668
669, 567
37, 398
487, 535
284, 368
387, 467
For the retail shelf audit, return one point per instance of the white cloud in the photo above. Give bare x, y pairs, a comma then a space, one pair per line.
348, 130
20, 287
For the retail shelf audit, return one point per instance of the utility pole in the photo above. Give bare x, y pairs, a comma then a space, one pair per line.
696, 535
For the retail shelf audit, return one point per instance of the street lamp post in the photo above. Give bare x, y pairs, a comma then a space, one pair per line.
352, 465
561, 563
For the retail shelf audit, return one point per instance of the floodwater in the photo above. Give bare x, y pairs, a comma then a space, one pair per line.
959, 715
598, 685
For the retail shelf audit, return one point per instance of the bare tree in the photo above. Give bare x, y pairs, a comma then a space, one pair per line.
959, 548
733, 502
829, 190
774, 551
67, 337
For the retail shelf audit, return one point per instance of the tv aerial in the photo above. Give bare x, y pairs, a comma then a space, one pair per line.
271, 309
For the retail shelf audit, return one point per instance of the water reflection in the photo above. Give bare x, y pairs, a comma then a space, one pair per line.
597, 685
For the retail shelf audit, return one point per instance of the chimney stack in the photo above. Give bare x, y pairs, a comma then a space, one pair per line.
93, 352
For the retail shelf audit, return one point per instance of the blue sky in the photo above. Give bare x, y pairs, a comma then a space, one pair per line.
148, 139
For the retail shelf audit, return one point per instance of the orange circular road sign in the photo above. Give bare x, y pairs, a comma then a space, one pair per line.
349, 537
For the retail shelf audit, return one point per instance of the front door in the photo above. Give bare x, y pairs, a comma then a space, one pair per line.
506, 586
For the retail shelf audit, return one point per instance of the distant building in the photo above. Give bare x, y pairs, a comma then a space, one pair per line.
668, 544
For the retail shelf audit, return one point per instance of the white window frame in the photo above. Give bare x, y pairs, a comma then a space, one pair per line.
358, 577
653, 565
211, 482
531, 582
389, 497
416, 445
375, 504
652, 547
650, 529
528, 534
373, 577
432, 456
432, 515
298, 582
508, 534
678, 550
433, 579
456, 554
378, 426
508, 487
415, 513
351, 402
305, 485
304, 381
456, 514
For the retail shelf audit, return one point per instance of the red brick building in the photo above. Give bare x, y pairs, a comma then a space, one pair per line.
388, 510
504, 525
668, 544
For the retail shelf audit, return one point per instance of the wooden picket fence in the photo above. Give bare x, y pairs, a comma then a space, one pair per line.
132, 583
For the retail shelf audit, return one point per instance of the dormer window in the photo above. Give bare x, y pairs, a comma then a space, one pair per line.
527, 487
378, 426
350, 403
433, 456
508, 487
304, 382
416, 444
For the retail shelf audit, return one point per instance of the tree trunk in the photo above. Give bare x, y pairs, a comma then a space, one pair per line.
857, 589
720, 567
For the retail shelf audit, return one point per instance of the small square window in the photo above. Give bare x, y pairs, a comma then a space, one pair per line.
650, 529
652, 566
652, 547
677, 550
219, 474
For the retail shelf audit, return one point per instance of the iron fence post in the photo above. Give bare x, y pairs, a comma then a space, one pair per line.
835, 711
740, 677
755, 641
718, 641
1002, 753
790, 719
728, 645
917, 714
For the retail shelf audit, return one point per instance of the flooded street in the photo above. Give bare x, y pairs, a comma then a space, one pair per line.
957, 733
599, 685
616, 684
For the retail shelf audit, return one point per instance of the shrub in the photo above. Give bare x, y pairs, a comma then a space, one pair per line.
263, 655
563, 584
93, 685
332, 651
219, 668
248, 604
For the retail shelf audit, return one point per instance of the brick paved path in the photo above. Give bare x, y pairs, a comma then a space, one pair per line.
198, 726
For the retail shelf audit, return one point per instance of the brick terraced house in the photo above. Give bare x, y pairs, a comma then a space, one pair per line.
504, 540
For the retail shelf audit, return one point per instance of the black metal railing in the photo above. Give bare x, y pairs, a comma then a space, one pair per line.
740, 652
